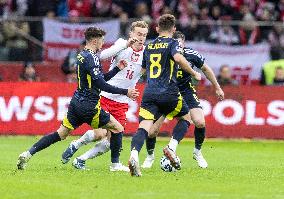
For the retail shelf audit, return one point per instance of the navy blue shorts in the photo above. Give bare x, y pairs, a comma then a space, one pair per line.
80, 112
190, 97
154, 105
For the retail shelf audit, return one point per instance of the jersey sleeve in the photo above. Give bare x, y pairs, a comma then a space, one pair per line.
93, 67
194, 57
175, 47
144, 60
112, 51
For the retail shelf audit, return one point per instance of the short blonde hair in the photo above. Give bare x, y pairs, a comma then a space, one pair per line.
140, 24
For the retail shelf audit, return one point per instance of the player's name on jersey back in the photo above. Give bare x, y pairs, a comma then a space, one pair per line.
157, 46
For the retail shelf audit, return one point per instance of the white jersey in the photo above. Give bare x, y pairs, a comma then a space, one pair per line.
129, 76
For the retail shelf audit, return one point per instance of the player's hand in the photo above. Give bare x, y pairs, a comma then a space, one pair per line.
122, 64
197, 76
220, 93
131, 41
133, 93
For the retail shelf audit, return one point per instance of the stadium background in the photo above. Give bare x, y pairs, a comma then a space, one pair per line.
246, 36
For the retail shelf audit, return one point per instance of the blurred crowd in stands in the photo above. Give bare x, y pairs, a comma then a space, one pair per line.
200, 20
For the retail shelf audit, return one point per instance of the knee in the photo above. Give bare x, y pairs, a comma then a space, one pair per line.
153, 133
62, 136
199, 123
119, 128
63, 132
99, 134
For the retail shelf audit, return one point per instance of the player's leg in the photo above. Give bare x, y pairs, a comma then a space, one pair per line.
69, 123
179, 131
43, 143
176, 108
118, 111
88, 137
151, 142
116, 130
148, 112
198, 119
136, 145
100, 148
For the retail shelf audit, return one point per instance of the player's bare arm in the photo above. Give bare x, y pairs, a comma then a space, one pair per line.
186, 66
211, 77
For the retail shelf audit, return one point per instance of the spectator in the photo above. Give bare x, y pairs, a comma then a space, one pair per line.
126, 6
225, 77
39, 8
4, 8
279, 76
249, 31
69, 65
62, 8
82, 6
203, 29
142, 12
17, 44
18, 7
224, 35
102, 8
29, 73
215, 12
74, 16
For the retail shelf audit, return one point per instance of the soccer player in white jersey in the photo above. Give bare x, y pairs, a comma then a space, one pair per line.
131, 52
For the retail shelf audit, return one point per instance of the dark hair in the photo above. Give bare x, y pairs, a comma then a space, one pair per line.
166, 22
83, 43
93, 32
223, 66
179, 35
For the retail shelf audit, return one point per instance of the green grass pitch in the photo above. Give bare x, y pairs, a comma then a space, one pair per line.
238, 169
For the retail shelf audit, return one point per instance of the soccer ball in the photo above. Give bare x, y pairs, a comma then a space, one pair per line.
166, 166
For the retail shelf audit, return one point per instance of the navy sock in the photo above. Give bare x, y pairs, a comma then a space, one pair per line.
180, 129
115, 146
44, 142
199, 135
138, 139
150, 145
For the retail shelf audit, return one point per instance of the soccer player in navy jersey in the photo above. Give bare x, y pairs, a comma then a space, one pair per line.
161, 95
85, 103
188, 92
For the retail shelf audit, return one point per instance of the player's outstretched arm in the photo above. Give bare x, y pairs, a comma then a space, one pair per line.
104, 86
112, 51
121, 65
118, 46
208, 72
186, 66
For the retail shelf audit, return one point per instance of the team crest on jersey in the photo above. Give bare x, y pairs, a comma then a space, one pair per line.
135, 56
96, 71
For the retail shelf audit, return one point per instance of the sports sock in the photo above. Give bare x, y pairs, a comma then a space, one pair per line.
138, 139
88, 137
150, 145
44, 142
199, 136
99, 149
115, 146
180, 130
173, 144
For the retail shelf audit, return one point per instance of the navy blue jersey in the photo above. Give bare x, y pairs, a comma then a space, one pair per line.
196, 59
160, 66
88, 69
